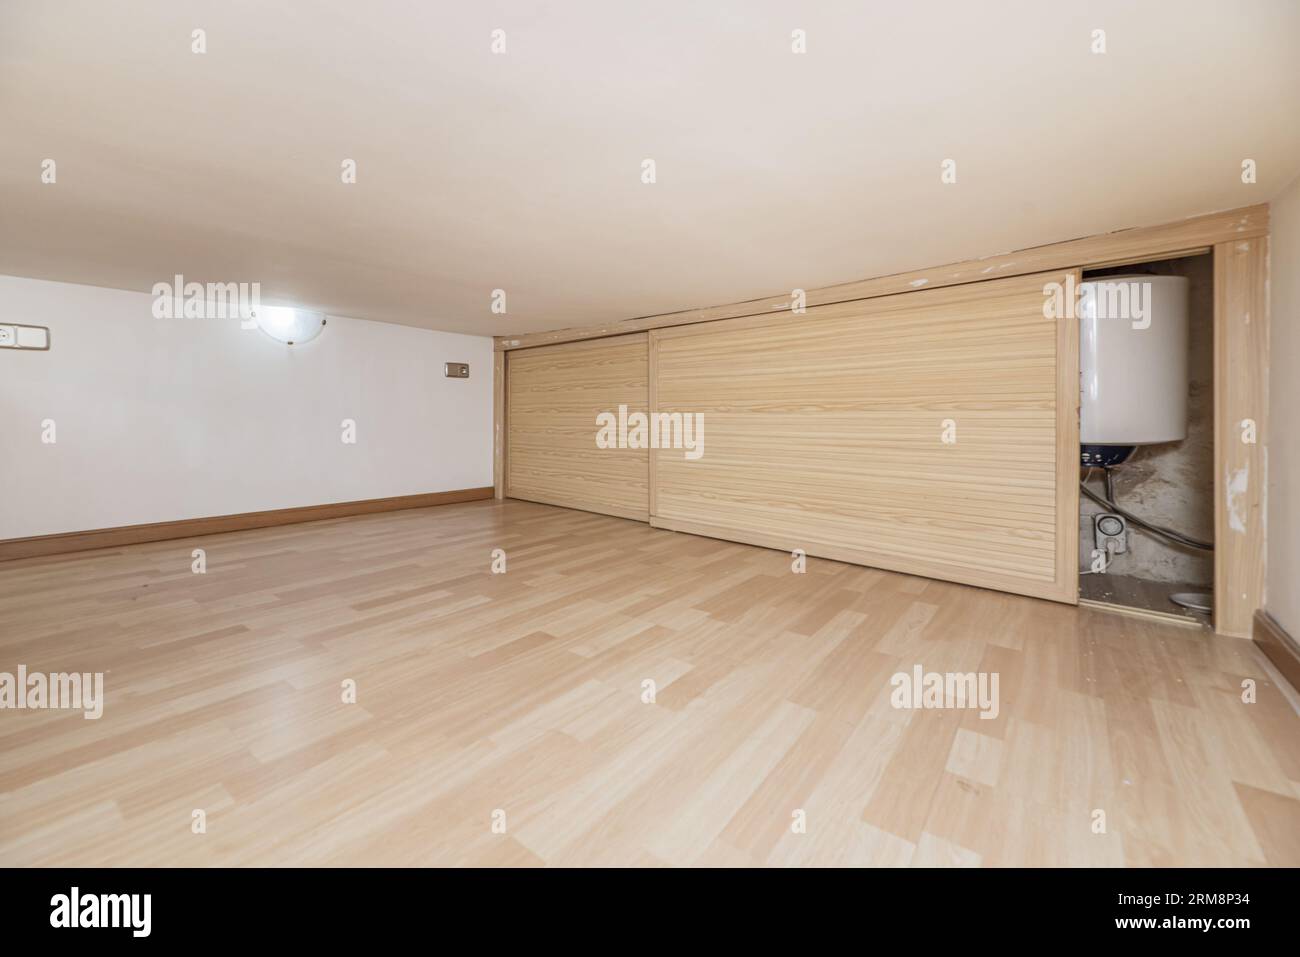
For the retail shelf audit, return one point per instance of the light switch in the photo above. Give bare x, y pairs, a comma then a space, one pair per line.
456, 370
33, 337
14, 336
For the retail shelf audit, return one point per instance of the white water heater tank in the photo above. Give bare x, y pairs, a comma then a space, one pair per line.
1133, 360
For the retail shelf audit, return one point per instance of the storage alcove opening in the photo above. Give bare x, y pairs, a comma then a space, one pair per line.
1149, 423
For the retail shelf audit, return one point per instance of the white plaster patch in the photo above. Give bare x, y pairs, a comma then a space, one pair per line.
918, 282
1235, 490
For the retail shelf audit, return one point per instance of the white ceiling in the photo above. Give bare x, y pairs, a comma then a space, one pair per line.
479, 171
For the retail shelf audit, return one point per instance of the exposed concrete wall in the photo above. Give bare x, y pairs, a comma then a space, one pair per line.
1171, 485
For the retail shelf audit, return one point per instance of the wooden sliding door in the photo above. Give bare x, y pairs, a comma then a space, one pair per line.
932, 432
554, 396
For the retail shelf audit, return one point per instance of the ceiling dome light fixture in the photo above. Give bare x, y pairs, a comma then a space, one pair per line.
288, 325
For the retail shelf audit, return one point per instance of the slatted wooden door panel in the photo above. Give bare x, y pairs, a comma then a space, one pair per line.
554, 396
824, 431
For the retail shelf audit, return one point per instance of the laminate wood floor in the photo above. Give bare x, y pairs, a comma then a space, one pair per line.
501, 719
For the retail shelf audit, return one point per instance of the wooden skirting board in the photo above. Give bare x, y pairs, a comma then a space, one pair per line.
1280, 647
40, 545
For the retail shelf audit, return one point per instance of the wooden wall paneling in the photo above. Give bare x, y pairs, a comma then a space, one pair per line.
1141, 244
554, 394
823, 432
1240, 394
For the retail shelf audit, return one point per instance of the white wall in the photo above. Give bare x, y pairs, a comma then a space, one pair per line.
163, 419
1282, 596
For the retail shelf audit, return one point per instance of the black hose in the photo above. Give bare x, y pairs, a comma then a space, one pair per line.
1140, 523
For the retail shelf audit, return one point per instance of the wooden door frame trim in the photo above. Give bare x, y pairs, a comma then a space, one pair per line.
1122, 247
500, 427
1067, 452
652, 409
1241, 363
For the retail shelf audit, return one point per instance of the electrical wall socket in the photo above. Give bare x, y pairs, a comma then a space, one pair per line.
1110, 531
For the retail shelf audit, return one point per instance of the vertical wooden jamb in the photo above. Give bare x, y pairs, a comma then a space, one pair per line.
1067, 451
499, 450
652, 408
1240, 408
